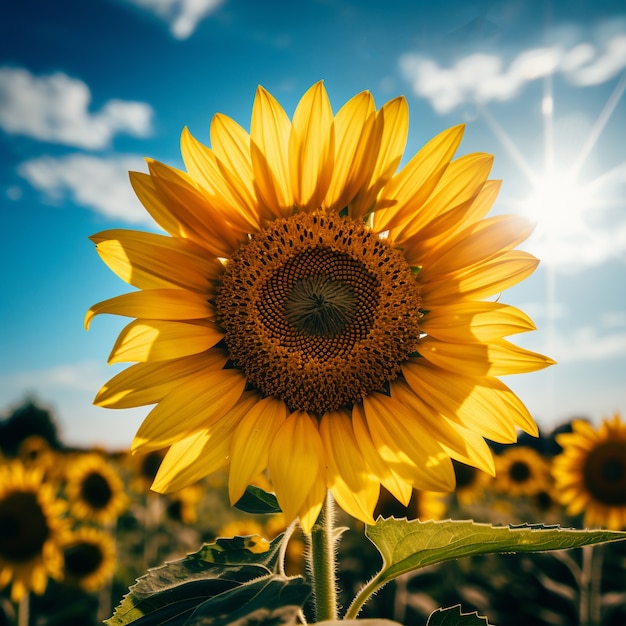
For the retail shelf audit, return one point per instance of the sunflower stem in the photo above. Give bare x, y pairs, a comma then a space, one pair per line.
322, 563
23, 610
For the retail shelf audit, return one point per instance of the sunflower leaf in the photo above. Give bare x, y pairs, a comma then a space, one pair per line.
409, 545
453, 616
228, 577
257, 501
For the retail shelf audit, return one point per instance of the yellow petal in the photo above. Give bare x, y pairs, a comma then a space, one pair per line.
156, 304
311, 148
231, 147
349, 478
461, 182
206, 171
475, 321
390, 134
192, 406
269, 134
480, 242
251, 443
312, 505
151, 261
394, 118
145, 190
477, 452
423, 420
481, 281
485, 405
198, 219
295, 458
202, 453
412, 186
149, 383
414, 456
387, 476
355, 156
157, 340
494, 359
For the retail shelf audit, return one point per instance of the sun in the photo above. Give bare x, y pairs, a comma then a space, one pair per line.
557, 202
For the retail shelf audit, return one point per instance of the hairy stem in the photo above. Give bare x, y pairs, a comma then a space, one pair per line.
322, 562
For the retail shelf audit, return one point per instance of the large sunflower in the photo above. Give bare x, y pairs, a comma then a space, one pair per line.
32, 527
590, 473
313, 311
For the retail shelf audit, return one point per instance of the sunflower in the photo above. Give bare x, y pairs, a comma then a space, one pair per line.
521, 471
31, 529
314, 312
590, 473
88, 558
94, 489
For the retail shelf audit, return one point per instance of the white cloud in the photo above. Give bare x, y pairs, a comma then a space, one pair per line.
183, 16
483, 78
98, 183
605, 66
55, 108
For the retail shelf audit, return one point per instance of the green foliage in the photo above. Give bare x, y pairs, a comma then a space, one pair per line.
229, 580
409, 545
453, 616
257, 501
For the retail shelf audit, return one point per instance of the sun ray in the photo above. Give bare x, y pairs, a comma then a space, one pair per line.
601, 122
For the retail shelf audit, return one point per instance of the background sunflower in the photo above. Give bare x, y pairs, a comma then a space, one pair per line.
32, 528
94, 489
590, 472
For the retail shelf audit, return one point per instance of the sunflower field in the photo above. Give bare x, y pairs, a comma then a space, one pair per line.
78, 527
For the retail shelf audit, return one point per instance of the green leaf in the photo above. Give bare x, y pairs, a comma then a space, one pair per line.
410, 545
272, 600
228, 576
452, 616
249, 550
358, 622
257, 501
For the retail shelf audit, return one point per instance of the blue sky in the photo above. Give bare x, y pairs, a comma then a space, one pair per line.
87, 89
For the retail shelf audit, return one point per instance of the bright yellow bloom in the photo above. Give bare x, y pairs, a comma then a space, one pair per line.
590, 473
88, 558
32, 527
95, 489
521, 471
316, 313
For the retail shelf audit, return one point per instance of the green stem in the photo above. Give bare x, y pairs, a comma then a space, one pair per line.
23, 610
361, 598
322, 562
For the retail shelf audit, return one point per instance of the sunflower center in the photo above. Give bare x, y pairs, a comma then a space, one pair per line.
82, 559
604, 473
519, 472
319, 311
23, 527
320, 306
96, 490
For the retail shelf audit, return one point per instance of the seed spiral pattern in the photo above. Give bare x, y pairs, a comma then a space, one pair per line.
319, 311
